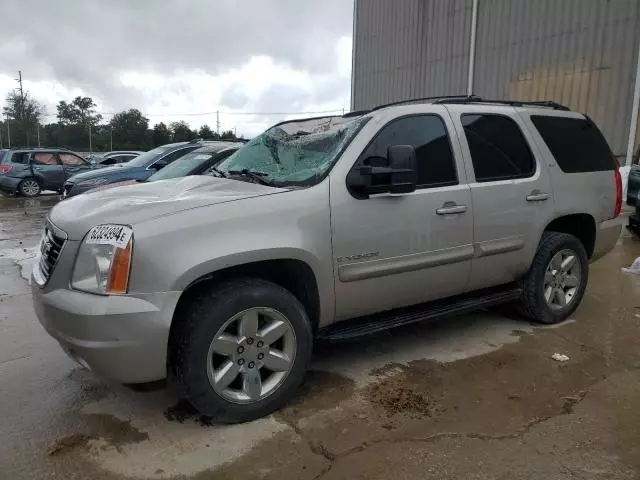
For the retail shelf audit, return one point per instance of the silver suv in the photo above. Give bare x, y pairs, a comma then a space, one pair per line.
327, 228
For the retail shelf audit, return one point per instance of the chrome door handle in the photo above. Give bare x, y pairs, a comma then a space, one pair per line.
451, 208
537, 196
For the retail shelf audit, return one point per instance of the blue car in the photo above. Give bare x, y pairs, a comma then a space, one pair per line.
140, 168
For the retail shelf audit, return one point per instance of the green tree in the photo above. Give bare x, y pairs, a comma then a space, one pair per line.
160, 135
129, 130
206, 133
24, 114
180, 131
228, 135
81, 111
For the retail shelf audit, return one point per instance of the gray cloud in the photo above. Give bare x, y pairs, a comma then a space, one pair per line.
86, 43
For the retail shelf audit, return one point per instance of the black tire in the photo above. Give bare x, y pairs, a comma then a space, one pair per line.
206, 315
24, 189
533, 304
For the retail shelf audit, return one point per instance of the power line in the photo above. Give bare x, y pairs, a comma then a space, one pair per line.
195, 114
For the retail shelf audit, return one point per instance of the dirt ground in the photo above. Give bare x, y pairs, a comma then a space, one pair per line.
472, 397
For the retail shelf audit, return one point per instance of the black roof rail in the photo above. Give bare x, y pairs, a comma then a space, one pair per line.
195, 140
435, 99
513, 103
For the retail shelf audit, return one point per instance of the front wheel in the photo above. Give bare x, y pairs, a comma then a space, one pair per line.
29, 187
242, 350
557, 279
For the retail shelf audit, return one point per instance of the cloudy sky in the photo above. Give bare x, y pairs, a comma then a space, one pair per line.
175, 58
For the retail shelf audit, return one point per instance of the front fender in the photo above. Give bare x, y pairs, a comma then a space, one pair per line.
173, 251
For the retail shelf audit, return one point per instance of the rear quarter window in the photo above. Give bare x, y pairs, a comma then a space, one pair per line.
20, 157
576, 144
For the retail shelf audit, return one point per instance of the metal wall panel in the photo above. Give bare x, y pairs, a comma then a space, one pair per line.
408, 49
581, 53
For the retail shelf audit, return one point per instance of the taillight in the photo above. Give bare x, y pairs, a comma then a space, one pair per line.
4, 169
618, 208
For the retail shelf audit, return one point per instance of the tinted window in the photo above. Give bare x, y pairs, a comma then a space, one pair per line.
148, 157
576, 143
177, 154
20, 157
45, 158
499, 151
69, 159
181, 167
428, 135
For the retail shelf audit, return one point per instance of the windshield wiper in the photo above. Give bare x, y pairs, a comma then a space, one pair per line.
257, 177
219, 172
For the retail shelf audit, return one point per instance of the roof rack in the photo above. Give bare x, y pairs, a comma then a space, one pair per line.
422, 99
513, 103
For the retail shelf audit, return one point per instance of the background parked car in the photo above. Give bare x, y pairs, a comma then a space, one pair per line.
28, 171
113, 158
140, 168
198, 162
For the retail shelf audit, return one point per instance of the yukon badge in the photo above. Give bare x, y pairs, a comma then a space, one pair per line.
358, 256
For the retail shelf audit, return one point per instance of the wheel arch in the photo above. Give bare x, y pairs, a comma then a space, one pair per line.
580, 225
295, 275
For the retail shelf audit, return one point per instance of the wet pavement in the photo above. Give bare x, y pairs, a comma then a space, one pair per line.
477, 396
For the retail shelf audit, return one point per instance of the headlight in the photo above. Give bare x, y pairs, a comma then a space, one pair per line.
93, 181
103, 262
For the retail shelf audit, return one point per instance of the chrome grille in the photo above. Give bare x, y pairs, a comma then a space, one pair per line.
50, 250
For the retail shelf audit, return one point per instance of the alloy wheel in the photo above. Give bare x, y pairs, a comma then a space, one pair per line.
30, 187
562, 279
251, 355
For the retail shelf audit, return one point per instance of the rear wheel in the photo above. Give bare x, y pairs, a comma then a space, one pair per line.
557, 279
29, 187
243, 350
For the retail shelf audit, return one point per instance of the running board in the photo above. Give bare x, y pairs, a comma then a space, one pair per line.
378, 322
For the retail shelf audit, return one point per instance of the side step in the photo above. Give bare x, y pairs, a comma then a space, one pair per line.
378, 322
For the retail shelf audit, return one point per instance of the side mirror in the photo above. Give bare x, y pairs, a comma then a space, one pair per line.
159, 165
394, 174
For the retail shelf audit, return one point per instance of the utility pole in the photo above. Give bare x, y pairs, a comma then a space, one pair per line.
90, 150
8, 132
38, 128
218, 122
111, 138
19, 80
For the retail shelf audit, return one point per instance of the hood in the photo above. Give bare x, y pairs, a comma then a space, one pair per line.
132, 204
99, 172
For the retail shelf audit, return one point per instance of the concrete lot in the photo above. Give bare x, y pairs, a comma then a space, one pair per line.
470, 397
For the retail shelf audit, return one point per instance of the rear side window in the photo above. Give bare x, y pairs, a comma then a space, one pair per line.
498, 148
69, 159
45, 158
576, 143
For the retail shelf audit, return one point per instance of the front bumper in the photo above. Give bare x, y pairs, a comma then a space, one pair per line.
120, 337
9, 184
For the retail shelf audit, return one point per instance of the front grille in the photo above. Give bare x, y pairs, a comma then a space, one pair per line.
50, 249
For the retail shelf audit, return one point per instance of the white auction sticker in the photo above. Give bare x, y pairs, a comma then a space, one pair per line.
117, 235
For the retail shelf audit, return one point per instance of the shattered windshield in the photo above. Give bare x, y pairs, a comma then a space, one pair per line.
295, 153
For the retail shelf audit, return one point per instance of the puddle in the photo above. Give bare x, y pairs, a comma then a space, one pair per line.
183, 411
105, 429
321, 391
